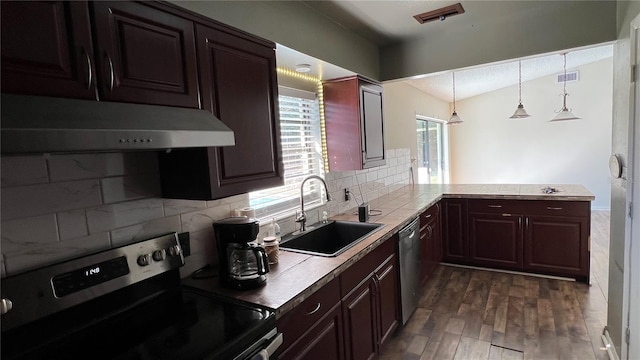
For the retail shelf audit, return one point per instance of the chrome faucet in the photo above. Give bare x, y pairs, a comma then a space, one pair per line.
302, 218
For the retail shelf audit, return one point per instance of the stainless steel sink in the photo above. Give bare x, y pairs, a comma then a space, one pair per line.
330, 239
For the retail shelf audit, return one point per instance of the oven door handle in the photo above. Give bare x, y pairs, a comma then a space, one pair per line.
270, 349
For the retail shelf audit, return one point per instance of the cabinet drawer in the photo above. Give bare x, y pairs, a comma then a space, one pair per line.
367, 265
429, 214
551, 208
495, 206
294, 323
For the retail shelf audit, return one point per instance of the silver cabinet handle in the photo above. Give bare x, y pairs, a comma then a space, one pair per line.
89, 72
427, 216
112, 75
430, 230
495, 206
5, 306
412, 234
526, 223
553, 208
314, 310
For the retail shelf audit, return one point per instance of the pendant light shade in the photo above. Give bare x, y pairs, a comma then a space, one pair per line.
455, 119
520, 112
564, 113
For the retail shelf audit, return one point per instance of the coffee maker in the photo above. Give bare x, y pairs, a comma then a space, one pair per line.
242, 265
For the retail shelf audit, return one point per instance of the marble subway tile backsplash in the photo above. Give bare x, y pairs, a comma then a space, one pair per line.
55, 207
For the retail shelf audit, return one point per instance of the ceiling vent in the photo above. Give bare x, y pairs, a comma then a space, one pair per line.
572, 76
440, 14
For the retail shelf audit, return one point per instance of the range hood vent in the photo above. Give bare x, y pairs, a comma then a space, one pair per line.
440, 14
36, 124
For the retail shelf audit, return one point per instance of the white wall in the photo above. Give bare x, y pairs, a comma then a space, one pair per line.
491, 148
402, 103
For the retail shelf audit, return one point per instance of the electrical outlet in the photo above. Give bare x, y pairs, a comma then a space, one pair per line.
347, 194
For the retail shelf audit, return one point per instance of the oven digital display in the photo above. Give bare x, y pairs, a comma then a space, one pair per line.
76, 280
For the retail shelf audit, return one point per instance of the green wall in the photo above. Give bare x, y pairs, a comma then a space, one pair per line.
297, 26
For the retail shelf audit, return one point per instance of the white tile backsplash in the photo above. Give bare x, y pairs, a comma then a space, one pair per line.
93, 166
199, 220
72, 224
19, 234
177, 206
109, 217
62, 206
44, 254
32, 200
146, 230
124, 188
23, 170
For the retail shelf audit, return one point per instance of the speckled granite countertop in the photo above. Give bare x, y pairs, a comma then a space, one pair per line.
297, 276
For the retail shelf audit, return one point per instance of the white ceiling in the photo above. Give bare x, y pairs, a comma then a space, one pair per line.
385, 21
483, 79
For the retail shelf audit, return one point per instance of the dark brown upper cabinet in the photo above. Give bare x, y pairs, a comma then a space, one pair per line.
47, 49
354, 123
239, 85
145, 55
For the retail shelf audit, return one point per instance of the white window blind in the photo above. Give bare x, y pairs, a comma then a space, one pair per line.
301, 153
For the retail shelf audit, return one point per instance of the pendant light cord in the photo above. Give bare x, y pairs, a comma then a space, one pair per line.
564, 83
520, 82
454, 91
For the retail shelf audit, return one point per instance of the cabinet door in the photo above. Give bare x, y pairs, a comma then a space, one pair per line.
428, 247
145, 55
557, 245
323, 341
496, 240
437, 240
386, 279
372, 126
240, 88
456, 248
360, 319
46, 49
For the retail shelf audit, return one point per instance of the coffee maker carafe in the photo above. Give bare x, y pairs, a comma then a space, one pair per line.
242, 265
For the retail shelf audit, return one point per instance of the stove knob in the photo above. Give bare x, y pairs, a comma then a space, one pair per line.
144, 260
175, 250
159, 255
5, 306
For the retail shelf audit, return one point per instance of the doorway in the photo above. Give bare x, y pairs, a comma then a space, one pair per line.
431, 160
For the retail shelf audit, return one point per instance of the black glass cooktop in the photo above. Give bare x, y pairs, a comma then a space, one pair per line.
179, 324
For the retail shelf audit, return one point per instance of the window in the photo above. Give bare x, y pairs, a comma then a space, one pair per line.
301, 153
432, 160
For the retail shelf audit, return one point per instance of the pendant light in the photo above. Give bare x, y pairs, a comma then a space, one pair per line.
455, 119
520, 112
564, 113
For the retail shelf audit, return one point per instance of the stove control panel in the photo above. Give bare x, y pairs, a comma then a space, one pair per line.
47, 290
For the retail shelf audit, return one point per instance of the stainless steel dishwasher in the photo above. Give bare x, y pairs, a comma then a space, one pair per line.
409, 247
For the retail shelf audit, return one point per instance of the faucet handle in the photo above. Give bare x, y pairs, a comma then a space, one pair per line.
302, 217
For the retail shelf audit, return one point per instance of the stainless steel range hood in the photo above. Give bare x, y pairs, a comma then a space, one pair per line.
35, 124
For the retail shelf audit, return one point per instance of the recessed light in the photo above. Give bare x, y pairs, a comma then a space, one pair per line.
303, 68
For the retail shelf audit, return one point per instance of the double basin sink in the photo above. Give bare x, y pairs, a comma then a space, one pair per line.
329, 239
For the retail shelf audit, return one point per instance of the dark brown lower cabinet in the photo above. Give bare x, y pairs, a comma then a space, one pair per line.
430, 242
313, 329
539, 236
323, 341
454, 227
371, 309
496, 240
360, 318
557, 245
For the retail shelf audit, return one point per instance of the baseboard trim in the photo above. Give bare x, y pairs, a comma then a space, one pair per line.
608, 344
510, 272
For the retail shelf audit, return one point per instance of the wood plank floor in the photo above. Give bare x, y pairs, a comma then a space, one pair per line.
475, 314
